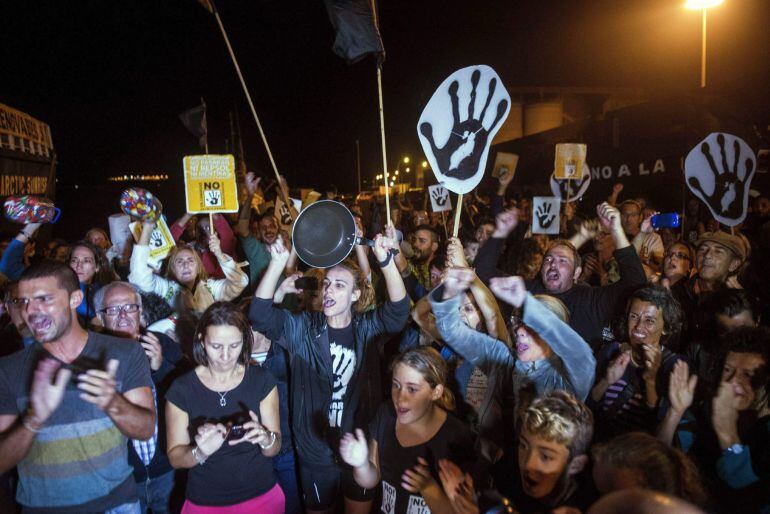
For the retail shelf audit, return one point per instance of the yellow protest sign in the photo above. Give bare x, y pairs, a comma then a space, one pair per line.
161, 240
210, 184
570, 158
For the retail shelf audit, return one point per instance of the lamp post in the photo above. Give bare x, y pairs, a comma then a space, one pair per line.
703, 5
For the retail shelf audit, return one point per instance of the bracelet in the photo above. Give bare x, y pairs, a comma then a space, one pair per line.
26, 424
199, 456
272, 441
387, 260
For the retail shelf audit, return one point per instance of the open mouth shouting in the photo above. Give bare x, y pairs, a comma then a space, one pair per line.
40, 324
328, 303
401, 412
521, 348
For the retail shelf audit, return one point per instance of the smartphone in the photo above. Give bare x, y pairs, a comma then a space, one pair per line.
306, 283
666, 220
236, 432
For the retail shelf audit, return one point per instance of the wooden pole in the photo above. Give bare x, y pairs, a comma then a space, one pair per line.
248, 98
443, 221
382, 136
456, 228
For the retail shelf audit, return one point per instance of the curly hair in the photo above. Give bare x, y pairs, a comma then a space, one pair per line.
653, 465
559, 416
668, 306
367, 297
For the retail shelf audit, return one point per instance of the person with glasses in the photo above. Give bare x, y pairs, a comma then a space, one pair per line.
119, 307
93, 269
70, 402
677, 263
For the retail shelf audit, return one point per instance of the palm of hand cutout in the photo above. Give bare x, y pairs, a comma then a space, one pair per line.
727, 197
460, 156
544, 216
439, 197
719, 170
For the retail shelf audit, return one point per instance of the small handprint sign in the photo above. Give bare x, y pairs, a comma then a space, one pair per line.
545, 214
719, 171
458, 124
439, 198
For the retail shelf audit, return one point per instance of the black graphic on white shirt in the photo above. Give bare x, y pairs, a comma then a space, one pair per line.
388, 498
343, 364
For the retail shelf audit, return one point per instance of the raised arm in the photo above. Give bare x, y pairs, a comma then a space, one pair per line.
493, 318
235, 280
477, 348
177, 228
383, 250
142, 276
12, 261
489, 252
575, 354
242, 228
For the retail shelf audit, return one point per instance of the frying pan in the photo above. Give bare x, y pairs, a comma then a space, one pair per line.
325, 233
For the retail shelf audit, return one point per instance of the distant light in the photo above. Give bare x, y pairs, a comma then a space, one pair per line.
406, 160
424, 164
702, 4
407, 169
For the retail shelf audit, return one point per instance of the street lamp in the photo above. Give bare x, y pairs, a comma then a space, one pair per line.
424, 164
703, 5
406, 160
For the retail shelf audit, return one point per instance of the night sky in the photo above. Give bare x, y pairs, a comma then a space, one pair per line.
111, 77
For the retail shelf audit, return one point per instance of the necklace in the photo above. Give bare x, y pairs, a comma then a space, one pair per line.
222, 401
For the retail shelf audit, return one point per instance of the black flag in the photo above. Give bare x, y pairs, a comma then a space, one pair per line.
358, 32
195, 121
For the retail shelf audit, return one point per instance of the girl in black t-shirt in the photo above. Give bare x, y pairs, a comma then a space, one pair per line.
409, 437
223, 422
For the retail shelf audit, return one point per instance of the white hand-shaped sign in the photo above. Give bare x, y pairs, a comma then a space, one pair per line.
457, 125
719, 171
545, 215
439, 198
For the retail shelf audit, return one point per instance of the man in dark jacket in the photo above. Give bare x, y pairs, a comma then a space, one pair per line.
591, 308
119, 307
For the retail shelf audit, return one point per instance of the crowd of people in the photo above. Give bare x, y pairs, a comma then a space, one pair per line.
614, 367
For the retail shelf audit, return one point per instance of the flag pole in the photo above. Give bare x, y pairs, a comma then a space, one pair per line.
206, 135
382, 134
214, 10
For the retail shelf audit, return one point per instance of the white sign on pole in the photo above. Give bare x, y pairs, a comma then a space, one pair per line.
545, 215
719, 171
458, 124
439, 198
571, 190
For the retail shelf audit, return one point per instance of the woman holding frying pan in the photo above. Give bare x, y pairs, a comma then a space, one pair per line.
334, 366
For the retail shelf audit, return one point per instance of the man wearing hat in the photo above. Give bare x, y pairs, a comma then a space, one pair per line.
718, 257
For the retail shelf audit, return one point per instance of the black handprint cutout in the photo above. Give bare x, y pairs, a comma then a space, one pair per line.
460, 156
439, 197
156, 240
544, 216
212, 197
729, 189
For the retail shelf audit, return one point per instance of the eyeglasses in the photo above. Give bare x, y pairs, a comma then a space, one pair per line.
115, 310
679, 255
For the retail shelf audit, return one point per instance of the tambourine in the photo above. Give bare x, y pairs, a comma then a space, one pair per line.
140, 203
31, 209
